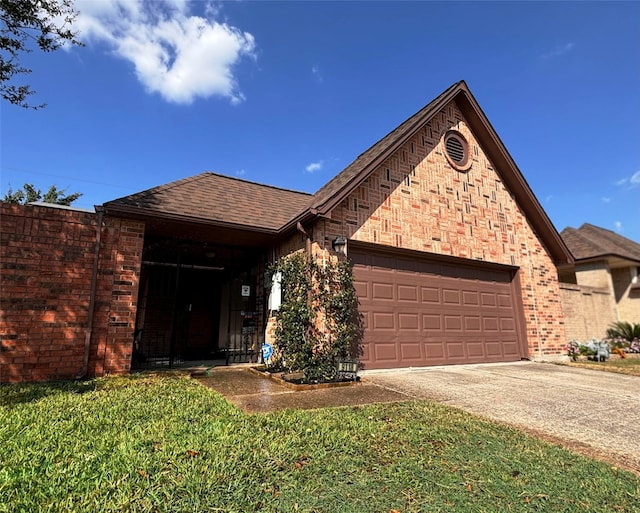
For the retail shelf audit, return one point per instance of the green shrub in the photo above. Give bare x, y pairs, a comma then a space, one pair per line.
624, 330
318, 320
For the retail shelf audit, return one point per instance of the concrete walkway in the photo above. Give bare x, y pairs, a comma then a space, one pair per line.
254, 393
592, 411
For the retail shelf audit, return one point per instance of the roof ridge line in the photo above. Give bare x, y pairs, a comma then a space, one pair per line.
591, 241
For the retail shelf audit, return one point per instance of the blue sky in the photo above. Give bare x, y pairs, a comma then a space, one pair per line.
289, 93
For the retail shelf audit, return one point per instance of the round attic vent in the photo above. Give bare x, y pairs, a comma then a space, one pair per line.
457, 150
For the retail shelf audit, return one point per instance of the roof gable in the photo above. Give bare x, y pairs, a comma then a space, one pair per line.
218, 199
589, 242
341, 186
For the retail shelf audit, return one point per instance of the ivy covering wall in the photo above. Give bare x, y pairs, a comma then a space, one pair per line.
318, 320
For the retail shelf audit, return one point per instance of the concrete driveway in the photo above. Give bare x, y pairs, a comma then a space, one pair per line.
594, 412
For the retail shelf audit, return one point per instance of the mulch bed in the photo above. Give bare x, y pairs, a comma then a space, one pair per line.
278, 378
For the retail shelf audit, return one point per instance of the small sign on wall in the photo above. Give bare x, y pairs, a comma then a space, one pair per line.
246, 290
267, 352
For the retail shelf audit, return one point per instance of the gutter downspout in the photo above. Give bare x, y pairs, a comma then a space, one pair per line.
308, 238
92, 295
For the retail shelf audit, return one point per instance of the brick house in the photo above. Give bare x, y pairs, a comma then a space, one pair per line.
455, 260
602, 286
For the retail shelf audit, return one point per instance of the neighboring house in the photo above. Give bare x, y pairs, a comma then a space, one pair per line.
454, 258
605, 278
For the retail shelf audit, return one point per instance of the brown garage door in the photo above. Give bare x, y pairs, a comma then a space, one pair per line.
419, 311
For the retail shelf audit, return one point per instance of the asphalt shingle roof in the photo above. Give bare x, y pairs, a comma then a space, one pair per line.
218, 198
591, 241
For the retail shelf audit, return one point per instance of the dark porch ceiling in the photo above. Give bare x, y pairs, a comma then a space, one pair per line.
156, 227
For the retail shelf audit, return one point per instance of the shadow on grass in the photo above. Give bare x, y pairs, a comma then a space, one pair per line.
15, 394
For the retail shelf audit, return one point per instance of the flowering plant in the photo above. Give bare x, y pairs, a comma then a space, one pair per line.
625, 345
618, 342
573, 349
592, 348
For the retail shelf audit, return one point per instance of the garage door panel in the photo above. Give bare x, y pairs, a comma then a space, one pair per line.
383, 321
510, 348
434, 351
455, 350
472, 324
453, 323
408, 293
386, 352
419, 312
470, 298
494, 348
411, 352
409, 322
432, 322
430, 295
362, 289
488, 299
451, 297
490, 325
366, 353
504, 300
381, 291
475, 349
507, 324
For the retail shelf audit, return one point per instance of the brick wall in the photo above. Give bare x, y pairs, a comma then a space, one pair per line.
116, 296
416, 200
46, 259
588, 311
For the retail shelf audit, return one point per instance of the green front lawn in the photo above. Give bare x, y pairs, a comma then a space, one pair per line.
629, 365
148, 443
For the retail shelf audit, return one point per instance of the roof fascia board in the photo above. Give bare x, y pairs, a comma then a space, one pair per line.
605, 257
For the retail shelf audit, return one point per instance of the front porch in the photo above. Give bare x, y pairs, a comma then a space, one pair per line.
199, 302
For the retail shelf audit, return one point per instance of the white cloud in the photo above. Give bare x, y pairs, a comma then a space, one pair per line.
240, 172
605, 199
548, 198
558, 51
175, 53
314, 166
632, 181
618, 226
